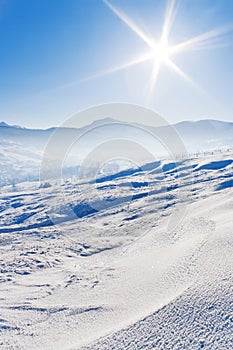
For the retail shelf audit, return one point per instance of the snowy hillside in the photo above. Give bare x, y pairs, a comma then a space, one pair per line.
21, 149
145, 262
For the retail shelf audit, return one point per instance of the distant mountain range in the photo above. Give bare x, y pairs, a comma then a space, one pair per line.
21, 148
196, 135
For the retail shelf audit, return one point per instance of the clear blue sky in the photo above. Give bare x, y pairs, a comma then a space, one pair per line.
49, 47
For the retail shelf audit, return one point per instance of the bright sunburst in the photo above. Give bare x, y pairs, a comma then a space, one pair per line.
161, 53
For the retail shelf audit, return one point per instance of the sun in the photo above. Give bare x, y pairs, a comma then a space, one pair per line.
162, 53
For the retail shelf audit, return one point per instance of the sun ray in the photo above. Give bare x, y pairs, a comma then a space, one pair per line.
168, 21
130, 23
183, 75
154, 78
203, 40
133, 62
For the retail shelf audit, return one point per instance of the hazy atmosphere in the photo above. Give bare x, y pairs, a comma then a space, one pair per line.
116, 174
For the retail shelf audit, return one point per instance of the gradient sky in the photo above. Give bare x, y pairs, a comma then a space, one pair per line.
49, 48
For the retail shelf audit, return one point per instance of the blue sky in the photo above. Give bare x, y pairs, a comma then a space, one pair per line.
49, 48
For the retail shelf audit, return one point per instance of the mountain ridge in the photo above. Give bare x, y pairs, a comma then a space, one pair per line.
108, 119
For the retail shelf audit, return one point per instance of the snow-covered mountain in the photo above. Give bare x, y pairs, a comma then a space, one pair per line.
141, 256
21, 149
145, 262
205, 134
196, 135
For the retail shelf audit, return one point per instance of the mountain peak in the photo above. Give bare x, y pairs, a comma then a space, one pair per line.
3, 124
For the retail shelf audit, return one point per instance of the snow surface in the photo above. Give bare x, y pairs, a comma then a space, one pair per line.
145, 264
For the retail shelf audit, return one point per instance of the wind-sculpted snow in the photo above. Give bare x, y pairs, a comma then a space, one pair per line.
216, 165
225, 184
145, 262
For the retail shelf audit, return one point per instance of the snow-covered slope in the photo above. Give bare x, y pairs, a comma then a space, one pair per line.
21, 149
146, 263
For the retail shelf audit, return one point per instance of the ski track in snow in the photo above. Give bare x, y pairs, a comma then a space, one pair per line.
121, 275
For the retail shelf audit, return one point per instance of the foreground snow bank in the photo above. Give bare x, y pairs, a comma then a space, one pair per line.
124, 276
